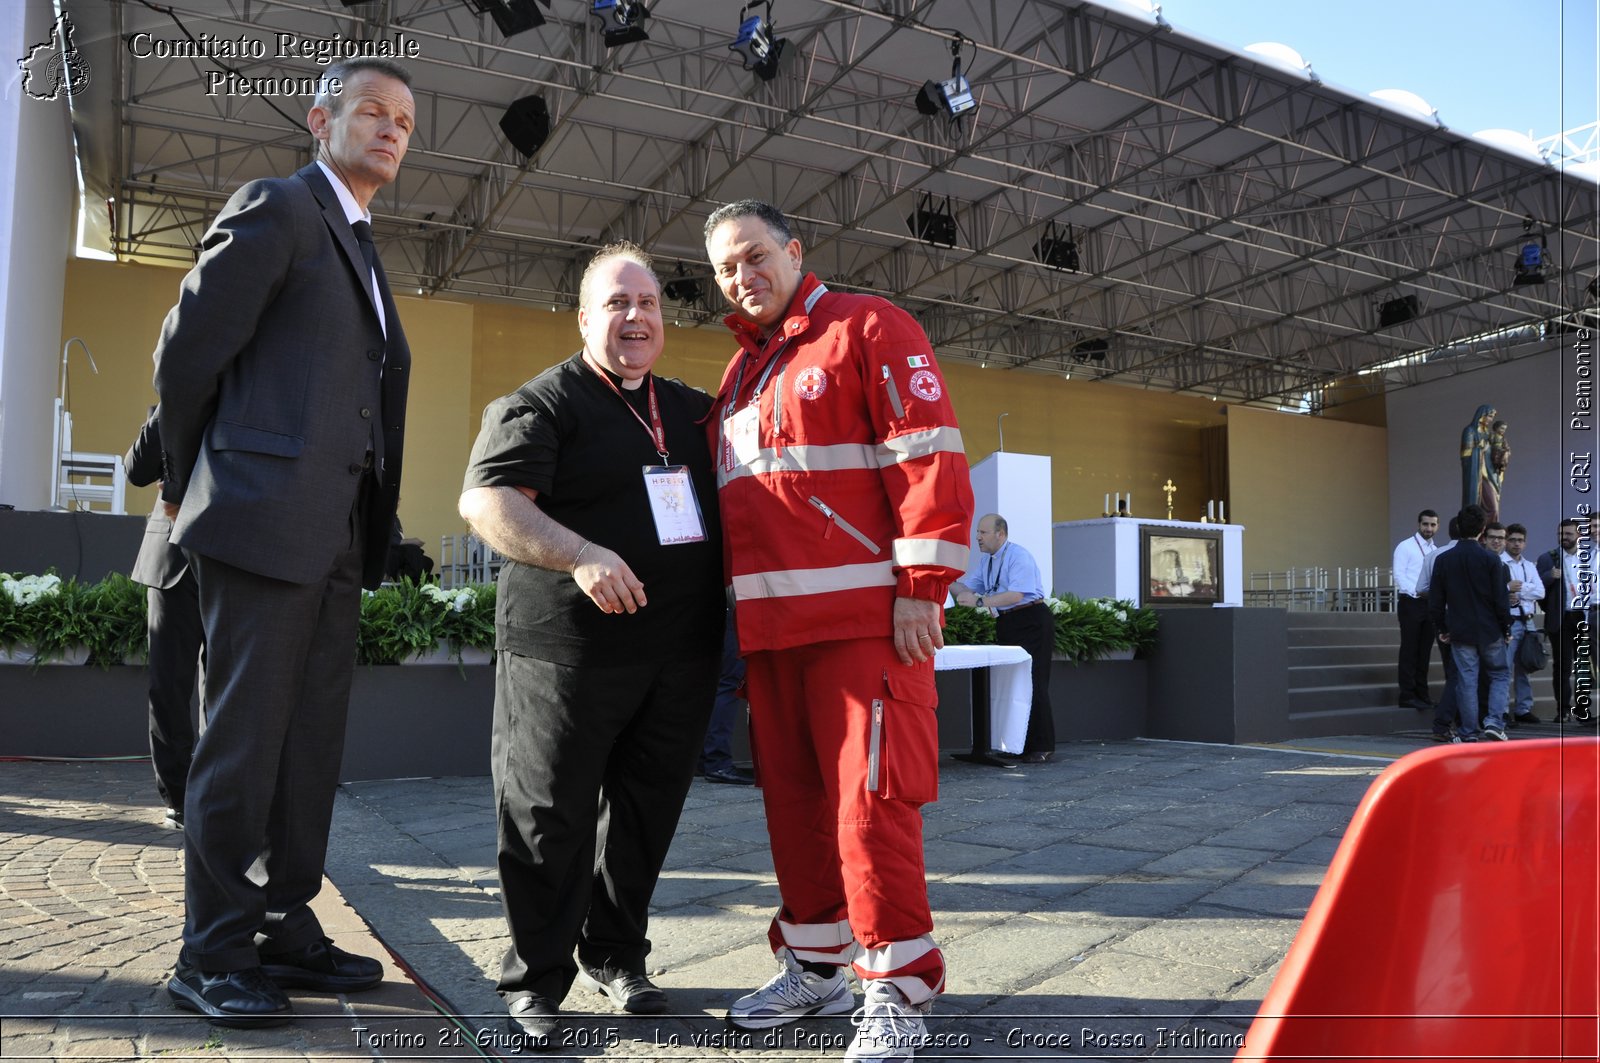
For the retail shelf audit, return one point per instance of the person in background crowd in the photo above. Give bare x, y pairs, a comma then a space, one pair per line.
1471, 610
1411, 607
1526, 590
177, 639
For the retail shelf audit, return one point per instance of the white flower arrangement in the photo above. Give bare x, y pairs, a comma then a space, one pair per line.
456, 601
25, 590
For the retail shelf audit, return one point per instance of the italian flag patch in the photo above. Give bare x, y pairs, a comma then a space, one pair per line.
917, 361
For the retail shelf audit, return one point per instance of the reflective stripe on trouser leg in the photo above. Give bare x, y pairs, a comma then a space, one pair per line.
915, 967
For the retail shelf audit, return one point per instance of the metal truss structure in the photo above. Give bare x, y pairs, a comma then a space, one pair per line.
1237, 223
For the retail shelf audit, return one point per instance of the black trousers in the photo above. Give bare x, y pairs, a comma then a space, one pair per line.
177, 644
1416, 646
591, 766
1033, 628
279, 660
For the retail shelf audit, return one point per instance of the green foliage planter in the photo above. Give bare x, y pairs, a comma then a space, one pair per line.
45, 620
1087, 629
407, 621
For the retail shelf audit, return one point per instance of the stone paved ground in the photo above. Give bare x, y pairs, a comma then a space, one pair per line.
1089, 908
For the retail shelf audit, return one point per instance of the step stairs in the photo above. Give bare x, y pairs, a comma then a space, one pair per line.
1342, 672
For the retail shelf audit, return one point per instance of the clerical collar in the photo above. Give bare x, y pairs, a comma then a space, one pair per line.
621, 382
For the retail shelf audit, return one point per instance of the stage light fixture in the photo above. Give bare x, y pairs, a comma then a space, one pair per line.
1091, 350
756, 44
622, 21
511, 16
526, 124
953, 96
1398, 311
933, 223
683, 288
1055, 251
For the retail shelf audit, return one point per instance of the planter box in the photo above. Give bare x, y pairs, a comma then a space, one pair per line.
435, 721
418, 721
403, 721
73, 712
1100, 701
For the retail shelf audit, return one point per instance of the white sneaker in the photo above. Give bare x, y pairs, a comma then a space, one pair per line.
794, 993
889, 1029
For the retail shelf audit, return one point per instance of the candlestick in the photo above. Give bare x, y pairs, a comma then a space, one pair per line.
1222, 511
1106, 505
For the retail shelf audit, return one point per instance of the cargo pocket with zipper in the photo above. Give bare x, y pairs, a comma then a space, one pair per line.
903, 737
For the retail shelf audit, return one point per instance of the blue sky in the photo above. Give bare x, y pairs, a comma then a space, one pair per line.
1527, 66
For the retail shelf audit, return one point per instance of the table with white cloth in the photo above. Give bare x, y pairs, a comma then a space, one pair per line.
1002, 696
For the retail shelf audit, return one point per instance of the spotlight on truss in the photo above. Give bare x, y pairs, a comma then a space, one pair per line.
621, 21
953, 96
1055, 251
683, 288
756, 44
933, 223
511, 16
1091, 350
1398, 311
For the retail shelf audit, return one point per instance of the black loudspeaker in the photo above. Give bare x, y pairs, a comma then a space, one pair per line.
1397, 311
526, 124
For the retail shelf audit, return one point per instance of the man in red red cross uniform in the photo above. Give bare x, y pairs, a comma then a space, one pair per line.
847, 507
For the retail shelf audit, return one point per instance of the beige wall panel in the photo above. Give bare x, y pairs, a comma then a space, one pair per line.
1101, 438
1309, 491
439, 332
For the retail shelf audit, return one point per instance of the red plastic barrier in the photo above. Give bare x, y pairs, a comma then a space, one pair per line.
1458, 920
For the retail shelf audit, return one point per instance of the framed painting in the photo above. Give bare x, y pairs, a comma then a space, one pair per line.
1180, 566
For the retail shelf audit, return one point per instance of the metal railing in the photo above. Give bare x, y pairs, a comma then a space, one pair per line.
1340, 590
467, 559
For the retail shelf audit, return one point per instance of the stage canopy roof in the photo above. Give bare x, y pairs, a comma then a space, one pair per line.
1239, 226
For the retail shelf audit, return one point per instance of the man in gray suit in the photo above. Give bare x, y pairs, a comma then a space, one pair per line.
282, 374
173, 625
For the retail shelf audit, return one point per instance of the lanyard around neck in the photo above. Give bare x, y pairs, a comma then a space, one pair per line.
656, 431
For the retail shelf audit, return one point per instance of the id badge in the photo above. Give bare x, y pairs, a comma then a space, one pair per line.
742, 430
674, 505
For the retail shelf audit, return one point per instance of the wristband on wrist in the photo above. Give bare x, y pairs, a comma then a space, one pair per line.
579, 556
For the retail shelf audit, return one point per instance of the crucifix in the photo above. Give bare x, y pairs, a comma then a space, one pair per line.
1170, 490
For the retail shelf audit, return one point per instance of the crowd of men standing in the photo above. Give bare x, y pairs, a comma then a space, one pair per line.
1478, 598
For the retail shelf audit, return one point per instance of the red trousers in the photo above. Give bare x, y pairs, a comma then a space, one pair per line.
846, 746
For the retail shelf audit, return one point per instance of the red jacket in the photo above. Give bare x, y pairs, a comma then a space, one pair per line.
853, 488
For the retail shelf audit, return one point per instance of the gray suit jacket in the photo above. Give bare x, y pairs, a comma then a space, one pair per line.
275, 383
159, 564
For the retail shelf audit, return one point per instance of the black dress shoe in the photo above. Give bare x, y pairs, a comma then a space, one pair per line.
232, 998
734, 775
634, 993
1041, 757
535, 1021
322, 966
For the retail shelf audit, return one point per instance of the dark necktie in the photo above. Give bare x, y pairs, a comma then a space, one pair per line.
369, 253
